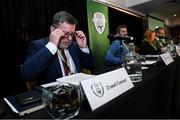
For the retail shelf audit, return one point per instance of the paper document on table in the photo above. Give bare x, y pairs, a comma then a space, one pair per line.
49, 84
75, 78
148, 62
143, 68
150, 56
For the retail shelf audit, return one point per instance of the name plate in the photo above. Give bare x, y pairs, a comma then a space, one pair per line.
105, 87
178, 51
167, 58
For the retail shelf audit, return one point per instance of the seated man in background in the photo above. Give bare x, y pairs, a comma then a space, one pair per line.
57, 55
117, 50
160, 35
148, 46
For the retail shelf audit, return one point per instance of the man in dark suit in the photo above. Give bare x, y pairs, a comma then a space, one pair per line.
58, 55
160, 35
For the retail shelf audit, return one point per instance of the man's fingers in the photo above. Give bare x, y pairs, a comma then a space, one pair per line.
80, 34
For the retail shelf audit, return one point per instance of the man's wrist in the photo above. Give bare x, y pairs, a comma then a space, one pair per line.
51, 47
85, 50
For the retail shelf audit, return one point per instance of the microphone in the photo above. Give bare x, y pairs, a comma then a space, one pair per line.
117, 37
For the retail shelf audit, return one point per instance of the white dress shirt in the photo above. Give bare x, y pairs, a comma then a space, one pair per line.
53, 49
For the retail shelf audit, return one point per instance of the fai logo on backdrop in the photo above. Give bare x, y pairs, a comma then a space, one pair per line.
97, 89
99, 21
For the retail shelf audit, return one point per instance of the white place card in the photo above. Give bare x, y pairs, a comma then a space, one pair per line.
178, 51
105, 87
167, 58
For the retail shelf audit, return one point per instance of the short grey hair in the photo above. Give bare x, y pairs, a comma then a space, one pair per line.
62, 17
157, 30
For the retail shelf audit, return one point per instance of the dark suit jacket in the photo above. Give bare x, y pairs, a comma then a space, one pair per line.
146, 48
41, 64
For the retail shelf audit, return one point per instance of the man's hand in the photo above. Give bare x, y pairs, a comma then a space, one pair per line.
55, 36
81, 39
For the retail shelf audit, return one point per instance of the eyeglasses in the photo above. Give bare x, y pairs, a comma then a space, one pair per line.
72, 34
67, 34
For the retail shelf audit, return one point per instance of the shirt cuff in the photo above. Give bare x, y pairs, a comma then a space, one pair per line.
85, 50
51, 47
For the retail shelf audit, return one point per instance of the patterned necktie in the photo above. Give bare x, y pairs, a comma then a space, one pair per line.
65, 64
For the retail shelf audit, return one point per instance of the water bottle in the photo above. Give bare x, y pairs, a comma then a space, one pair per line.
132, 64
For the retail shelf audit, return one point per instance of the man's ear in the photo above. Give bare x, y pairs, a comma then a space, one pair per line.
52, 28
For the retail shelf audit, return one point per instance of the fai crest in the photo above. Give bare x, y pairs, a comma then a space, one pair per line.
99, 21
97, 89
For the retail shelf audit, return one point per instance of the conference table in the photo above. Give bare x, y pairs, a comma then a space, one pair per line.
156, 96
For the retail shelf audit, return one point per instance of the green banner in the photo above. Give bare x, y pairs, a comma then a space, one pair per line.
98, 27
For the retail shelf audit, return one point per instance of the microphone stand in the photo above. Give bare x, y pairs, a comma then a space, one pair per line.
123, 43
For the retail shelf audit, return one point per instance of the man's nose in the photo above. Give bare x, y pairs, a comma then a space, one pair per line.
69, 37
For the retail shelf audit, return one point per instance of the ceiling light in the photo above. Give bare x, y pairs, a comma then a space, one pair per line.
175, 15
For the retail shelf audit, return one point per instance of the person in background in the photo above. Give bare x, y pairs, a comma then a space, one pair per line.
148, 44
64, 52
160, 36
116, 51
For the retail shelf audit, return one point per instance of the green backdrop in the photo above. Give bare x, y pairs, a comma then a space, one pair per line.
98, 41
153, 23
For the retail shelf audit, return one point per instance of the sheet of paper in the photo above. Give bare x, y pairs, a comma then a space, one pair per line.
49, 84
75, 78
144, 68
148, 62
151, 56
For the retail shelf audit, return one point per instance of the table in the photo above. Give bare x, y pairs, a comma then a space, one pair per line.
176, 94
157, 96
